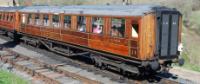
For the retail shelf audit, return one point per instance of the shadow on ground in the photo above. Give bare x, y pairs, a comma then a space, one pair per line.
9, 44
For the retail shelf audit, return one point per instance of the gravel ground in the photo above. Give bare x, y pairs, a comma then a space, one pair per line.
186, 74
5, 66
32, 80
43, 58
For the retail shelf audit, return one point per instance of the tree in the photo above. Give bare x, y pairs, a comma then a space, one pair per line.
14, 3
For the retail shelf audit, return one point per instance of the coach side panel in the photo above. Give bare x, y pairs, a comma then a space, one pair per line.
147, 39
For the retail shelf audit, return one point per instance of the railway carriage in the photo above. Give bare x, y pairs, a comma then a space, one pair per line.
8, 21
131, 39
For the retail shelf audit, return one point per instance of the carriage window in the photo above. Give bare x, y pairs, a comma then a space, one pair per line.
37, 19
7, 18
30, 20
46, 20
135, 30
23, 18
11, 18
81, 23
67, 22
4, 16
118, 27
97, 25
56, 21
0, 16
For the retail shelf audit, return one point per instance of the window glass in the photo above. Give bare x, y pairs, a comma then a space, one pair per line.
135, 30
37, 19
46, 20
118, 27
55, 22
30, 20
81, 23
4, 16
67, 22
7, 18
23, 18
0, 16
11, 17
97, 25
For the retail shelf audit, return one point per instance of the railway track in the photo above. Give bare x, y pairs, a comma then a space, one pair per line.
56, 69
44, 71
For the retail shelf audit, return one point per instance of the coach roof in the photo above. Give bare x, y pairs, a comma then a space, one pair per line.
10, 9
115, 10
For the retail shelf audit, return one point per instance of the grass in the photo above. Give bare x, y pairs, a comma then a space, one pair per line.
195, 21
189, 65
191, 43
10, 78
195, 17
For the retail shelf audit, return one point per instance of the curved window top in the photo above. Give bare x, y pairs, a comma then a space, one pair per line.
97, 25
67, 22
81, 23
55, 21
118, 27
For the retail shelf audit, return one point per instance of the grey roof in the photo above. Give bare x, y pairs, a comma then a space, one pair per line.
10, 9
115, 10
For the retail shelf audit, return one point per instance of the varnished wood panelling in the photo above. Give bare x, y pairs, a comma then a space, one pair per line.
134, 43
96, 37
128, 28
134, 52
147, 40
109, 47
8, 25
74, 23
75, 33
17, 24
74, 39
119, 41
88, 23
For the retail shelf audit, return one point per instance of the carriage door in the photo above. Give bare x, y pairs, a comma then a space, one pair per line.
22, 22
167, 35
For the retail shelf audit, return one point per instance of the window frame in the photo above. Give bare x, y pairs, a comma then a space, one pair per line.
43, 18
11, 17
5, 15
137, 31
0, 16
59, 21
21, 19
39, 18
32, 18
110, 27
77, 28
103, 28
8, 17
71, 21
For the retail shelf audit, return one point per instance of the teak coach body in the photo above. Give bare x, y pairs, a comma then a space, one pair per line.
132, 39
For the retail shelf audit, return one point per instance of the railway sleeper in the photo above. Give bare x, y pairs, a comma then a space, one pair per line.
30, 41
35, 70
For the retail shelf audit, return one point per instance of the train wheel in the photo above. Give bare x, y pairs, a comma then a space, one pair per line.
103, 66
122, 72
